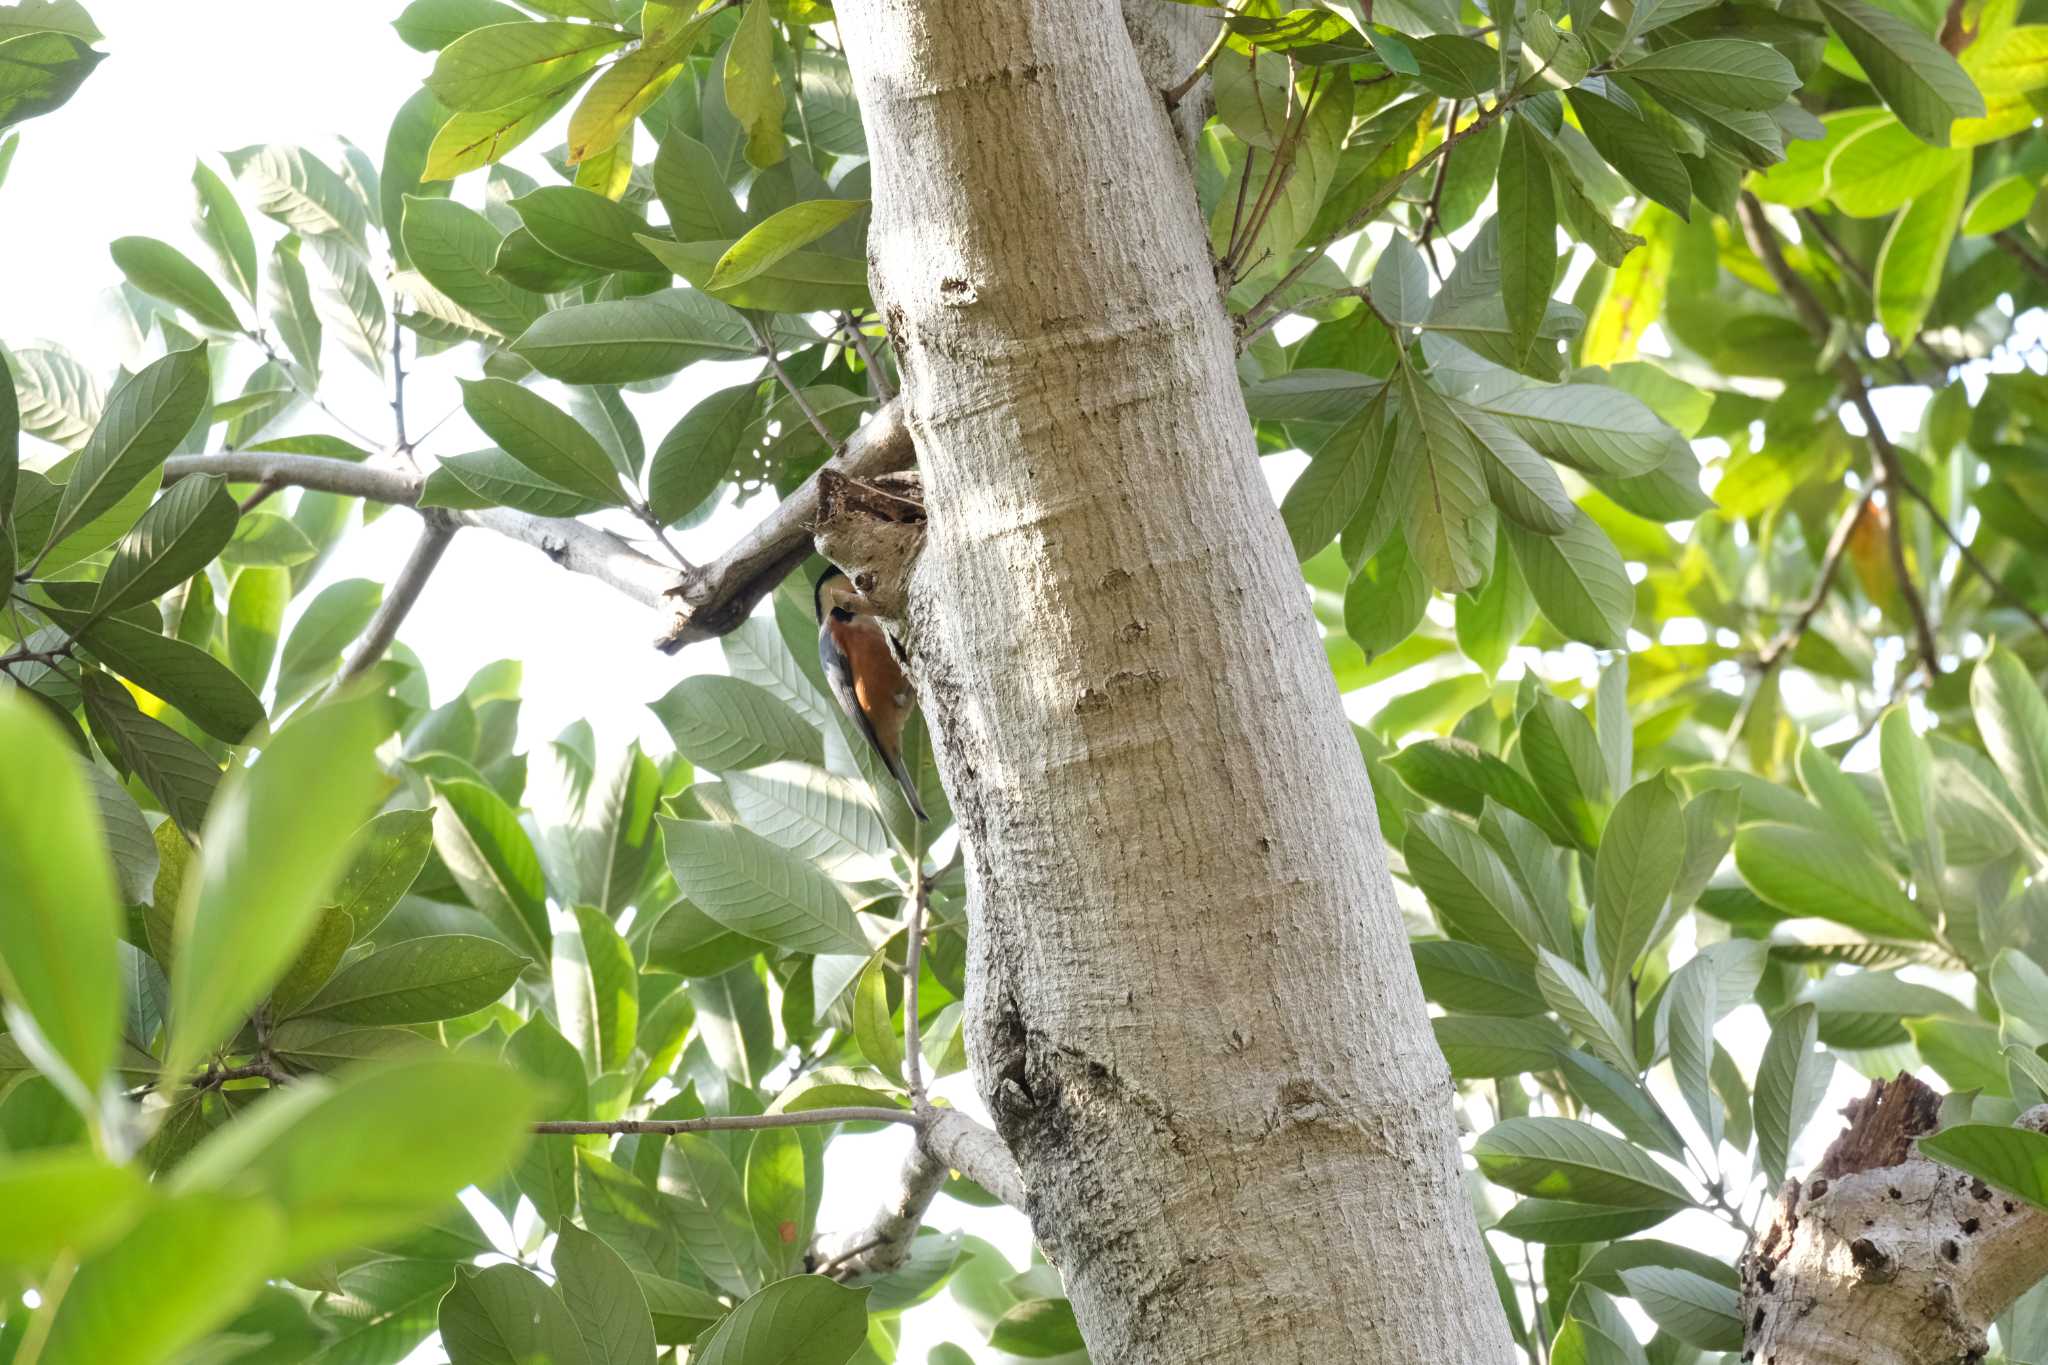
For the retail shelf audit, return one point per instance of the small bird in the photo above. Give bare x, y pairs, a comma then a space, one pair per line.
860, 663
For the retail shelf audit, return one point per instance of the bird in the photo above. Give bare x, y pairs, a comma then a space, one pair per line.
861, 665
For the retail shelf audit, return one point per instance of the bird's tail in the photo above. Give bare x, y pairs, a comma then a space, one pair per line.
908, 783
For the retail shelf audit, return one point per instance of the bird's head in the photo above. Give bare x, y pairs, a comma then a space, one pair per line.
836, 595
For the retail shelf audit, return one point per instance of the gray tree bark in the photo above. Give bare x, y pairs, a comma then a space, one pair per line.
1194, 1014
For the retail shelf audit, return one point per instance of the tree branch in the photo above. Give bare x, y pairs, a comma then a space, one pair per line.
403, 596
319, 472
728, 1123
723, 593
913, 964
703, 604
2009, 242
975, 1151
1763, 240
884, 1244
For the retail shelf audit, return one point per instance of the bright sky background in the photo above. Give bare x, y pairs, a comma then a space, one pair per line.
192, 78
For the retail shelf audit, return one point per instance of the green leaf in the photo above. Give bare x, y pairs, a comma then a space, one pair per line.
692, 189
1578, 580
755, 889
2000, 205
1687, 1013
1339, 477
174, 770
1915, 251
753, 90
1640, 855
177, 537
58, 965
1720, 71
1588, 426
204, 1256
1461, 775
699, 451
1790, 1085
456, 249
1579, 1004
470, 141
187, 677
874, 1025
1386, 599
324, 1150
597, 991
145, 418
2012, 1159
722, 723
1480, 1047
776, 1196
817, 815
504, 1315
1563, 1222
419, 981
579, 225
1564, 1159
1563, 757
303, 193
256, 609
542, 437
1635, 149
2012, 717
1917, 77
275, 840
162, 271
1528, 233
624, 340
1522, 484
1492, 621
312, 652
315, 963
430, 25
491, 67
493, 861
64, 1199
603, 1299
1621, 1099
795, 283
1471, 890
390, 851
803, 1320
1036, 1329
1810, 872
711, 1212
1467, 979
1449, 523
780, 234
1698, 1311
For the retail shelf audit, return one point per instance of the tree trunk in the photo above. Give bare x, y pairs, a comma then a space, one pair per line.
1193, 1011
1882, 1257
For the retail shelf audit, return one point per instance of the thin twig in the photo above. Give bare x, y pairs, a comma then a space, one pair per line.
727, 1123
1970, 557
2009, 242
796, 394
1179, 92
653, 524
832, 1263
913, 964
258, 496
1763, 240
403, 596
879, 378
1381, 197
214, 1077
311, 395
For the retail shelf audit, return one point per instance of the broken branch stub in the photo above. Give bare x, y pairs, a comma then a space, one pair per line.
874, 530
1884, 1257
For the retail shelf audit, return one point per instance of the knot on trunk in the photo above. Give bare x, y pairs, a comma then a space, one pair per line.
874, 530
